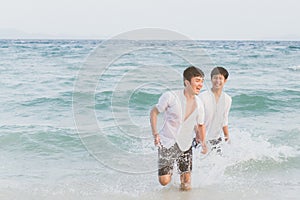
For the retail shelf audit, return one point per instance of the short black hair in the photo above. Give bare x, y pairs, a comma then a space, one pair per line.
219, 70
191, 72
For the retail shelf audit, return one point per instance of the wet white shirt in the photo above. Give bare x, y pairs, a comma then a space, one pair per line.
175, 129
216, 113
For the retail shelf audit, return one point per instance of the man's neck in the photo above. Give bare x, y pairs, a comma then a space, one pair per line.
217, 93
188, 94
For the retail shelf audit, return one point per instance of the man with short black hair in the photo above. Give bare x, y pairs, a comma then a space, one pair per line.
216, 108
182, 112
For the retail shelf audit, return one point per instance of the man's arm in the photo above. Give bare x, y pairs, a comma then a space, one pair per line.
153, 121
226, 133
225, 123
201, 137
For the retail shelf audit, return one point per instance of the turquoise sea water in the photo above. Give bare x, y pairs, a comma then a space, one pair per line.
45, 154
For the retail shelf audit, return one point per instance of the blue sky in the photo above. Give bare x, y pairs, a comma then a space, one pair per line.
198, 19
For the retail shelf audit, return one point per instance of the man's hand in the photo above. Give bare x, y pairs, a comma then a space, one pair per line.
204, 148
156, 139
203, 145
227, 139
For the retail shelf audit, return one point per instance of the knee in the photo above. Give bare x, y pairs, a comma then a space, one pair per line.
164, 180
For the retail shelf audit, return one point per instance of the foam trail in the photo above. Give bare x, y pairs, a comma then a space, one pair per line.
242, 150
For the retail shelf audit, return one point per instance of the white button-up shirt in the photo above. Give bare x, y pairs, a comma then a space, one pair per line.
216, 113
175, 129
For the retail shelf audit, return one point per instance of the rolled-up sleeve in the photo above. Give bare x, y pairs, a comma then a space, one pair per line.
163, 102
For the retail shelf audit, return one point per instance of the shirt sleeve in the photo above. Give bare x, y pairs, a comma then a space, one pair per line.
163, 102
227, 108
200, 118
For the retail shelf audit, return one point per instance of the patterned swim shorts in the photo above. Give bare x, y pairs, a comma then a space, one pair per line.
167, 157
215, 145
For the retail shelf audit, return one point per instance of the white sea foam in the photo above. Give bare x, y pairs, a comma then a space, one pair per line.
294, 68
244, 152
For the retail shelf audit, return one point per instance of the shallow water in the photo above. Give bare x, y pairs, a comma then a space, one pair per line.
43, 156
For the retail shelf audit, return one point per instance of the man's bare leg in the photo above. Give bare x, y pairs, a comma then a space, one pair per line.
185, 179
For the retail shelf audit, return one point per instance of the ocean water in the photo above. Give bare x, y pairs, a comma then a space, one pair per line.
75, 119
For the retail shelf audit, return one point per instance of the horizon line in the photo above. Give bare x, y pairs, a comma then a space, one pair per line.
124, 39
16, 34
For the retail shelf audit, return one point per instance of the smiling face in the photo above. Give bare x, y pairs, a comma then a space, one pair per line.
193, 80
194, 86
219, 77
218, 81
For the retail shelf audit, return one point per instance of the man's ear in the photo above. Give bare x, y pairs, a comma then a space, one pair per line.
187, 83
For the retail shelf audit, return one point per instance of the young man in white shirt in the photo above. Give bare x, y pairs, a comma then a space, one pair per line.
216, 108
182, 112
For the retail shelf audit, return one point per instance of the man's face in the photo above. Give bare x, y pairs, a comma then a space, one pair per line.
196, 84
218, 81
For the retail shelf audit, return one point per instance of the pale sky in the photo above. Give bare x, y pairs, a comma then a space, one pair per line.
197, 19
